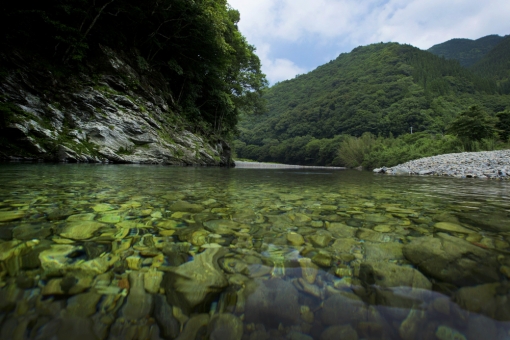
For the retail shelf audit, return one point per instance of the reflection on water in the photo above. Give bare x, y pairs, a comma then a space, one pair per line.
149, 252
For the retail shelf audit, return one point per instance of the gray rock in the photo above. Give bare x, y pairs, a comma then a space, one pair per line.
488, 299
196, 282
271, 302
104, 123
168, 324
344, 332
225, 327
343, 308
453, 260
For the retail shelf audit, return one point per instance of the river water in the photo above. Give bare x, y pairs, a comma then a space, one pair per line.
156, 252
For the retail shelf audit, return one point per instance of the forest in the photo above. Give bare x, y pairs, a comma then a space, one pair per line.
211, 71
395, 102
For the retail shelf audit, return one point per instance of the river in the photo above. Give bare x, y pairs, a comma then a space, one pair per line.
159, 252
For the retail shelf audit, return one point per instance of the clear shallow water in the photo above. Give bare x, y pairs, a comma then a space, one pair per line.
148, 252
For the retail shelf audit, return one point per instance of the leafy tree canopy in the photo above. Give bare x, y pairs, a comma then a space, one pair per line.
473, 124
384, 89
212, 72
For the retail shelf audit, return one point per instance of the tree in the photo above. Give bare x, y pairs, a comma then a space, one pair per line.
503, 124
473, 124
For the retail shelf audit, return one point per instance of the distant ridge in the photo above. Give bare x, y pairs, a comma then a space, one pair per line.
496, 65
466, 51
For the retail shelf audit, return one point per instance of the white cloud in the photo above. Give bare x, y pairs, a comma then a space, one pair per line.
342, 24
277, 69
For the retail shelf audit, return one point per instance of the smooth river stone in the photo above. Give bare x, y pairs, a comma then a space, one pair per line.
193, 282
225, 327
110, 218
186, 207
375, 218
488, 299
383, 251
222, 227
81, 230
341, 230
81, 217
102, 207
273, 302
342, 309
299, 218
295, 239
321, 238
453, 260
56, 258
138, 303
452, 227
6, 216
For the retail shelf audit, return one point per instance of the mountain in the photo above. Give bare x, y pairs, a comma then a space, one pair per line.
466, 51
385, 89
496, 65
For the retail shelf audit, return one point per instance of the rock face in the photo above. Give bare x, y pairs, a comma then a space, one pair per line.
119, 115
453, 260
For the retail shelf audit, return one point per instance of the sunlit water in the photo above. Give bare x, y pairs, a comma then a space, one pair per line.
153, 252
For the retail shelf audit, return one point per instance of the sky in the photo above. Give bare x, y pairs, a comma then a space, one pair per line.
296, 36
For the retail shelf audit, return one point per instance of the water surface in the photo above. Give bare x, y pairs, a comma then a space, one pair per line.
154, 252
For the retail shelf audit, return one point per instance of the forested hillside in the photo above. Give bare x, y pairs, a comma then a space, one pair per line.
496, 65
466, 51
384, 89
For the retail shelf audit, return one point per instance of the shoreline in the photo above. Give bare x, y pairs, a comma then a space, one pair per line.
261, 165
482, 164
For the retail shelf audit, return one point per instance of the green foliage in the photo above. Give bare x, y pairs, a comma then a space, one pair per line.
496, 65
473, 124
466, 51
372, 152
503, 124
353, 149
384, 89
211, 71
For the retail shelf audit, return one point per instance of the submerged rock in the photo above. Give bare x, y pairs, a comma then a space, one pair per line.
271, 302
80, 230
490, 299
225, 327
197, 281
295, 239
343, 308
6, 216
186, 207
453, 260
222, 227
138, 303
344, 332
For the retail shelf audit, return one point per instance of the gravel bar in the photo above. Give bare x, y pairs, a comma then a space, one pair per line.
485, 165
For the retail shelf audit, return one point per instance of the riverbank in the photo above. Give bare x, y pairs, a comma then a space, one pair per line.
484, 165
260, 165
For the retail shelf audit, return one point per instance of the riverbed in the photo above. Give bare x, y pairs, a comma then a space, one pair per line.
159, 252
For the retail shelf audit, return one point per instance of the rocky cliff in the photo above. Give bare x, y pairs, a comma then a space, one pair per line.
111, 110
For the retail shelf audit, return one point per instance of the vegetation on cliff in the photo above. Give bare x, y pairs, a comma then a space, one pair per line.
211, 72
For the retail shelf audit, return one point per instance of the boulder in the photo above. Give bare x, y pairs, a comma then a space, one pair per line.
272, 302
488, 299
453, 260
343, 308
196, 282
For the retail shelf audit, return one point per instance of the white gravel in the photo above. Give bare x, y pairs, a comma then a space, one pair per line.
485, 164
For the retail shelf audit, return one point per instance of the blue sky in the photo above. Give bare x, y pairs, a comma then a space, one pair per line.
295, 36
